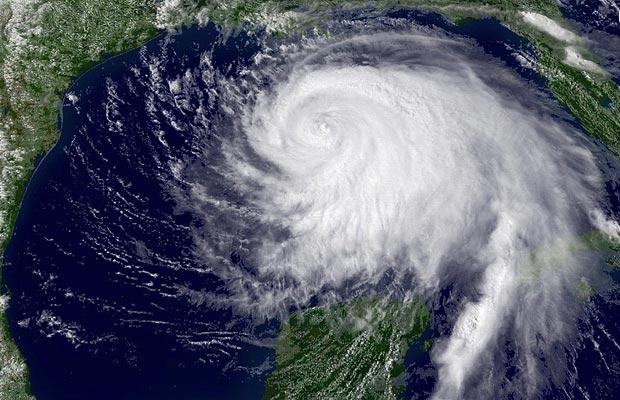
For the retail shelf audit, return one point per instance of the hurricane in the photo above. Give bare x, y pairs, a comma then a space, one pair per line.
401, 153
254, 176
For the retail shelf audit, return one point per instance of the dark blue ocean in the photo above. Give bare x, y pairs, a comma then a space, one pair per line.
85, 307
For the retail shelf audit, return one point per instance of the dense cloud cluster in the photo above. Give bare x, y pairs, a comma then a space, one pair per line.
415, 155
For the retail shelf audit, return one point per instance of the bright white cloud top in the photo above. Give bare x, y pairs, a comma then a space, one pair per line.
555, 30
549, 26
402, 153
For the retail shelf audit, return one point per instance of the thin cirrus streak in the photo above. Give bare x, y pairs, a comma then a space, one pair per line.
406, 153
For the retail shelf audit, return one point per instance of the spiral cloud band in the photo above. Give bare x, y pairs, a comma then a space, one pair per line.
419, 157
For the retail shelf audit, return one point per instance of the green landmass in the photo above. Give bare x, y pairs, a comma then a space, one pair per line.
346, 351
46, 44
559, 252
583, 289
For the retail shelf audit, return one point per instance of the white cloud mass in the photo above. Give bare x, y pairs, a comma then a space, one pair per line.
403, 153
